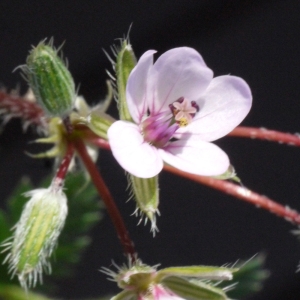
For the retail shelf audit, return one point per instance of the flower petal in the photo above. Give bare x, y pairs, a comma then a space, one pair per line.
136, 88
225, 104
161, 293
196, 157
179, 72
132, 153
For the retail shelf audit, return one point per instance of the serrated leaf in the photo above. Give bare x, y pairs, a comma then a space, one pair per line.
249, 278
190, 291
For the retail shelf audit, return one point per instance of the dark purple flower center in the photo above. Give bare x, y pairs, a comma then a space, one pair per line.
159, 129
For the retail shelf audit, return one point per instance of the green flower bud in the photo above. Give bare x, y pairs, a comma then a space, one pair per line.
144, 190
125, 62
143, 282
50, 80
146, 194
36, 234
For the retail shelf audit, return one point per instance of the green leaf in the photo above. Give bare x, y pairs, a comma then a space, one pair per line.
125, 62
249, 278
191, 291
14, 292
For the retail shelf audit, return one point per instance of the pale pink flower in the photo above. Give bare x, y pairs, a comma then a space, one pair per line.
159, 292
178, 108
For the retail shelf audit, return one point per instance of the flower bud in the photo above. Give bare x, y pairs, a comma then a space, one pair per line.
142, 282
36, 234
125, 63
50, 80
146, 195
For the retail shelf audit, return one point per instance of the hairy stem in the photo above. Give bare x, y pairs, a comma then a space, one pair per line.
265, 134
231, 188
104, 192
241, 193
14, 106
61, 173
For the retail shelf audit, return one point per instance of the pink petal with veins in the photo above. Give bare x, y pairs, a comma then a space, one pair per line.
224, 105
176, 73
196, 157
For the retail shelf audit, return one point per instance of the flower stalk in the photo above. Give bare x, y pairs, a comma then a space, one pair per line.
265, 134
61, 173
14, 106
107, 198
230, 188
242, 193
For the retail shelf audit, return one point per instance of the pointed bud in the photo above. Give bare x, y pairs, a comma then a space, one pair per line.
194, 290
36, 234
125, 62
50, 80
144, 190
143, 282
146, 196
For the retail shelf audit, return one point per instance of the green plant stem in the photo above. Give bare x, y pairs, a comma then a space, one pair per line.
104, 192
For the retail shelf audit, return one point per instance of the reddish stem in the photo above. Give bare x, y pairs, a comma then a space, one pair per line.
231, 188
15, 106
241, 193
107, 199
63, 167
265, 134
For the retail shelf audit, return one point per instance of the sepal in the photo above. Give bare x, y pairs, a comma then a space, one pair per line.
125, 62
146, 195
199, 272
187, 290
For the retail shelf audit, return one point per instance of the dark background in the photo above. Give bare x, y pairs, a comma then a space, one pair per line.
257, 40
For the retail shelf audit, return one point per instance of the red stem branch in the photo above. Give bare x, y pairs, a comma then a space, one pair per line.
112, 209
242, 193
14, 106
231, 188
265, 134
63, 167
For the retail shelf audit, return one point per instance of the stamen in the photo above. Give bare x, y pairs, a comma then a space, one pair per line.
184, 111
